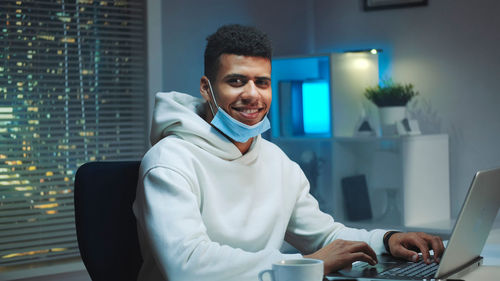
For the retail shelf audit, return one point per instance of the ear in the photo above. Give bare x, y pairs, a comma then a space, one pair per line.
205, 89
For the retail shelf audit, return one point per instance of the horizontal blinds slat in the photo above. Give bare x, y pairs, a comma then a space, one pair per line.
93, 95
30, 218
52, 4
75, 79
13, 215
108, 119
111, 107
8, 242
65, 103
16, 200
104, 142
73, 131
72, 143
36, 203
105, 154
124, 85
83, 29
42, 12
108, 38
47, 14
70, 250
81, 151
57, 242
106, 49
40, 8
53, 218
105, 29
35, 225
39, 67
105, 151
85, 21
65, 236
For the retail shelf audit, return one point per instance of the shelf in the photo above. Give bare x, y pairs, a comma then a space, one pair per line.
372, 224
416, 167
362, 139
302, 138
442, 227
359, 139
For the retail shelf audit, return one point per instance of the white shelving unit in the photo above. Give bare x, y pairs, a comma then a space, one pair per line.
414, 169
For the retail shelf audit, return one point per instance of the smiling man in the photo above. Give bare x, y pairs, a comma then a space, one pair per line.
215, 201
243, 87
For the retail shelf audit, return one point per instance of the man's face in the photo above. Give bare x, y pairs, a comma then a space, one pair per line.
243, 87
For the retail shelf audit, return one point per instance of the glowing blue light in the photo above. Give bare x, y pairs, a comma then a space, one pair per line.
316, 107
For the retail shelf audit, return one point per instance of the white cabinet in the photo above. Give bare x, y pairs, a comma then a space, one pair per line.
407, 179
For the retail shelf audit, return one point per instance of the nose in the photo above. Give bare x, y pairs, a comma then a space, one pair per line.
251, 90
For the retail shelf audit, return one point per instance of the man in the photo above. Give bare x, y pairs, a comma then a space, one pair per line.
215, 201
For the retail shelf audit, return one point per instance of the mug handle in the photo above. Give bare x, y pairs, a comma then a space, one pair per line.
270, 271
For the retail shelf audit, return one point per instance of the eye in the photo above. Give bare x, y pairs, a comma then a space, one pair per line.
237, 82
263, 83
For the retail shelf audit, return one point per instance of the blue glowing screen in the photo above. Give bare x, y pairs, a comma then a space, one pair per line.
316, 107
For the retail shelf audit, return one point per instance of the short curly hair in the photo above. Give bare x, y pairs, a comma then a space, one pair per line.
238, 40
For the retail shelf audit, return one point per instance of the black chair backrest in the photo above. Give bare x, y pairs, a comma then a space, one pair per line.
105, 224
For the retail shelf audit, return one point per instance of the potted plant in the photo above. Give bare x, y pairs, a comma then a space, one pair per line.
391, 99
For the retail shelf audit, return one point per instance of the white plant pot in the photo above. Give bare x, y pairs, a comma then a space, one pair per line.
389, 116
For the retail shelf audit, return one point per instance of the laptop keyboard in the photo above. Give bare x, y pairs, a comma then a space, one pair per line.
412, 270
403, 270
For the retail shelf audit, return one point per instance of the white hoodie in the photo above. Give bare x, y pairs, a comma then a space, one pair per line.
207, 212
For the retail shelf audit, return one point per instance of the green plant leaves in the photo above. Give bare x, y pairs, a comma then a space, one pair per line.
390, 94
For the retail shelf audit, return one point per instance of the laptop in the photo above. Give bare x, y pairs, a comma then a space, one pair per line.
463, 250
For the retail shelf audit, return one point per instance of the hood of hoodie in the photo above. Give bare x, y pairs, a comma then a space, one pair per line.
181, 115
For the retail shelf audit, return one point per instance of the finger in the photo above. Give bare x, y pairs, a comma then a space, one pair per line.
402, 252
361, 256
422, 245
365, 248
438, 248
435, 243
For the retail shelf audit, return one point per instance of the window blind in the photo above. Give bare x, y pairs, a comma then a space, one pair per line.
72, 90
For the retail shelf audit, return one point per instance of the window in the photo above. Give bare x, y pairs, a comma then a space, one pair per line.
72, 90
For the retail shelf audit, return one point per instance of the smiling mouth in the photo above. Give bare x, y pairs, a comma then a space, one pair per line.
248, 110
249, 113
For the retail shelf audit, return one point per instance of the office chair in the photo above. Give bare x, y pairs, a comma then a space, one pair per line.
105, 224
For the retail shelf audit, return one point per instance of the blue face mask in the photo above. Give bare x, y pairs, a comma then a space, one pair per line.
233, 128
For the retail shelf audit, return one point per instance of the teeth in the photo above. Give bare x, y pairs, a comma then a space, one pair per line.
249, 110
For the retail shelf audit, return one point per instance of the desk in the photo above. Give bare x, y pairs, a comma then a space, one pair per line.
490, 270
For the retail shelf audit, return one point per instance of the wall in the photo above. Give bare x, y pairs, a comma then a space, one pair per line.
187, 23
448, 50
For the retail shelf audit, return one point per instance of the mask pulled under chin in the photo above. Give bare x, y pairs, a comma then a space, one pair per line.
236, 130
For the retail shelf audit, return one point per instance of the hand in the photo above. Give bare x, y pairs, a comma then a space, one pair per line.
341, 254
406, 245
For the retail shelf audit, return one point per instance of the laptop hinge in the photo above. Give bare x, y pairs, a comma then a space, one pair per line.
463, 270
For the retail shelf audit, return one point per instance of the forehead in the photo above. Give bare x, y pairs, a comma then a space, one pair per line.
244, 65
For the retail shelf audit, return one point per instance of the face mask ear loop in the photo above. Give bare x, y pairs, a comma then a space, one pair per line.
213, 97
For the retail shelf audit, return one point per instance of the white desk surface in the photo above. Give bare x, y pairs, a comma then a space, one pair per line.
490, 270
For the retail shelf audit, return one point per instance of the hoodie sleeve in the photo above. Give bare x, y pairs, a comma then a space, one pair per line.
168, 214
310, 229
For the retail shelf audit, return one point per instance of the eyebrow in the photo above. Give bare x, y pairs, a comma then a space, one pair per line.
236, 75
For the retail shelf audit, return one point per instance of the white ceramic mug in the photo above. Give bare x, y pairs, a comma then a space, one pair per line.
295, 270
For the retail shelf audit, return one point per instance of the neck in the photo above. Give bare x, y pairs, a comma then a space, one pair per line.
243, 147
